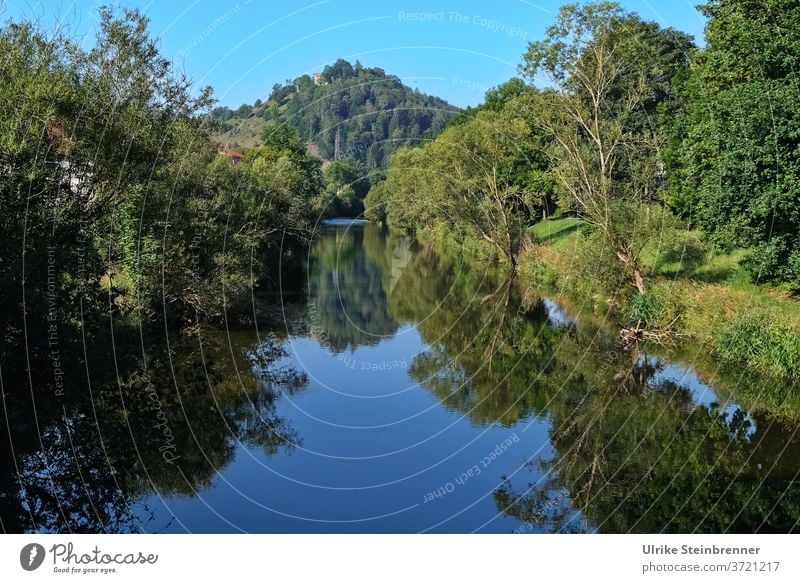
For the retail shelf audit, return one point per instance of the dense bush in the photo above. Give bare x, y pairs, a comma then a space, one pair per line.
108, 175
761, 341
733, 158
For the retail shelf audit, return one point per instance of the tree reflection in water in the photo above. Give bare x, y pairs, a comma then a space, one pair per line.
160, 424
630, 452
626, 446
348, 305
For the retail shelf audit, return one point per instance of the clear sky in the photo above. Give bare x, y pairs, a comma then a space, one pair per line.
455, 50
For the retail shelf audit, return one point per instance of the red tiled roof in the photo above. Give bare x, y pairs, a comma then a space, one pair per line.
233, 153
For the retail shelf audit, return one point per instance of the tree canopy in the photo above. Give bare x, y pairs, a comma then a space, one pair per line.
733, 159
352, 112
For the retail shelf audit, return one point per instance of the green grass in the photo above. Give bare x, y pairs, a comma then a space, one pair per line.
693, 261
707, 295
710, 267
723, 268
560, 233
243, 134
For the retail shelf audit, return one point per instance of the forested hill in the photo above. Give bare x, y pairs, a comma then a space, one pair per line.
347, 111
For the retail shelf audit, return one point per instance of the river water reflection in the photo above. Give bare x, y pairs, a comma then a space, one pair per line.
408, 393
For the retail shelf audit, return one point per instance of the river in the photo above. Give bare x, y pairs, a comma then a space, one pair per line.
404, 392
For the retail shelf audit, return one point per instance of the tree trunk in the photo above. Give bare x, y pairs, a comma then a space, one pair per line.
511, 255
629, 261
512, 258
639, 280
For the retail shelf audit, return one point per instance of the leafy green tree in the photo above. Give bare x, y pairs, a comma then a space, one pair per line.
610, 73
348, 173
733, 160
375, 203
347, 184
357, 113
482, 179
483, 170
495, 99
281, 142
129, 189
43, 210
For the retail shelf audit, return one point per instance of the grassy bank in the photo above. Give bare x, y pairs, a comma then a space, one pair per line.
707, 297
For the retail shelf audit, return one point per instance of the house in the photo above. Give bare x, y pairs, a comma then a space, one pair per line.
234, 158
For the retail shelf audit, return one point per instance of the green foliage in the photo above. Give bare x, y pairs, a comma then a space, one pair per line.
645, 308
105, 154
761, 341
116, 209
347, 184
496, 99
611, 74
482, 179
282, 137
651, 234
284, 165
595, 269
375, 203
733, 154
356, 113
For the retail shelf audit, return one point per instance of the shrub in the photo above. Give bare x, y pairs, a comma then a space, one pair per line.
759, 340
647, 308
595, 262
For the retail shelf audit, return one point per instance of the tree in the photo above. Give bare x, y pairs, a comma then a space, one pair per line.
733, 160
495, 99
481, 168
282, 140
105, 157
347, 185
359, 113
339, 71
375, 203
483, 179
498, 97
610, 73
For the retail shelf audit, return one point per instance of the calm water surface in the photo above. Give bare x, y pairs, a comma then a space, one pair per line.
407, 392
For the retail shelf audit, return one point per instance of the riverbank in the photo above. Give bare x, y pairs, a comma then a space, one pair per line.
735, 335
704, 297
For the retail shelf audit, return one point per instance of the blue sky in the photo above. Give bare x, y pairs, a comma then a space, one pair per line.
455, 50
